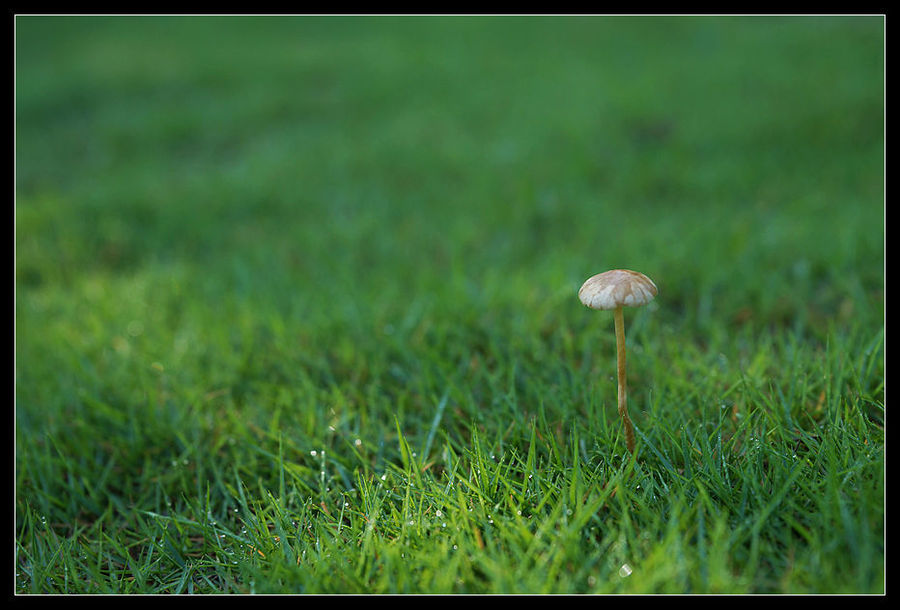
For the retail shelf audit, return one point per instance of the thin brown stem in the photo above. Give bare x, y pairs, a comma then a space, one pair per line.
620, 362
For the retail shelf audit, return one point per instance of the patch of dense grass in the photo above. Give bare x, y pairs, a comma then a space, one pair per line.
296, 305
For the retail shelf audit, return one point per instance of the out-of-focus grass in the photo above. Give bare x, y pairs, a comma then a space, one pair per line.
242, 240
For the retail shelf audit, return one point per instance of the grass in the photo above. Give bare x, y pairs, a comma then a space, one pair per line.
296, 305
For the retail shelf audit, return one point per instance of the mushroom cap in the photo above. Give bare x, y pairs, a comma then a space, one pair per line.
617, 288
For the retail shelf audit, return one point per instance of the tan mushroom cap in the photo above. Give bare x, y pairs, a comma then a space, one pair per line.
617, 288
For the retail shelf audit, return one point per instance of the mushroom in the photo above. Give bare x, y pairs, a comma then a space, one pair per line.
613, 290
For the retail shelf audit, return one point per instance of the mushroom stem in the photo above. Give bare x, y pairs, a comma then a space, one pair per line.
620, 361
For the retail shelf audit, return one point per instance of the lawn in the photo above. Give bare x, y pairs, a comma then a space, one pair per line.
296, 304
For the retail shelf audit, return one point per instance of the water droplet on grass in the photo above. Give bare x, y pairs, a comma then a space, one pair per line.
135, 328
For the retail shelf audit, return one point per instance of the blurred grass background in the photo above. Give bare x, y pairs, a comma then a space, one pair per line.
316, 224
